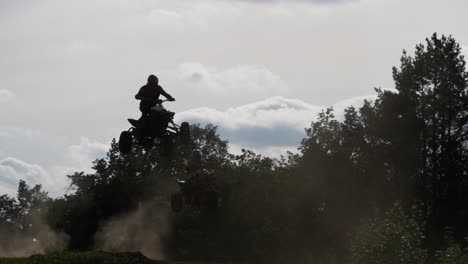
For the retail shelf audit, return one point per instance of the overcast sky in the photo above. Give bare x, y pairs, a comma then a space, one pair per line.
259, 69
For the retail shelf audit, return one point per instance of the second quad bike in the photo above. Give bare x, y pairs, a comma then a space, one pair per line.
200, 191
155, 128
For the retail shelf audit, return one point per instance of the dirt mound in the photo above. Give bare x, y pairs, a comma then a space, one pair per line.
92, 257
135, 258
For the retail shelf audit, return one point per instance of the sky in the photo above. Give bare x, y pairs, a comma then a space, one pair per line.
258, 69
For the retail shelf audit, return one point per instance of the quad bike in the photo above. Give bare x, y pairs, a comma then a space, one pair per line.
156, 128
200, 191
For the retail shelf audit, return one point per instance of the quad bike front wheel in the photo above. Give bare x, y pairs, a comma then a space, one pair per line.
125, 142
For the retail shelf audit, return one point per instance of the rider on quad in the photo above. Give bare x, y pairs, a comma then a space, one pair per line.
150, 103
197, 164
200, 187
149, 94
199, 172
156, 126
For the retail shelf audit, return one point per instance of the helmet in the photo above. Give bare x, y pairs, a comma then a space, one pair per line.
197, 155
152, 79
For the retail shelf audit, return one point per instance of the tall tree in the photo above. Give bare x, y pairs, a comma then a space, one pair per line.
434, 87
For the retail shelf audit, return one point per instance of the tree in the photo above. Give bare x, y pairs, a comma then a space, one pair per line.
434, 84
408, 145
9, 211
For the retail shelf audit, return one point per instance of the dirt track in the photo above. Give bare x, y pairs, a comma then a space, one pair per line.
96, 257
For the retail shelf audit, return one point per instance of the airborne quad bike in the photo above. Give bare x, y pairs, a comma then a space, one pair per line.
200, 191
154, 129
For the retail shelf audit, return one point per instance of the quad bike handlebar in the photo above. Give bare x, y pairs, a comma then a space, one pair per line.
165, 100
159, 101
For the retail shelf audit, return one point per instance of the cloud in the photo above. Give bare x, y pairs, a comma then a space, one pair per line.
165, 19
6, 95
12, 170
271, 151
34, 145
244, 81
45, 159
267, 126
50, 149
269, 113
8, 190
83, 154
53, 179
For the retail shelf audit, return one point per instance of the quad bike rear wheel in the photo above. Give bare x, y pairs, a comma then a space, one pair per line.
185, 133
125, 142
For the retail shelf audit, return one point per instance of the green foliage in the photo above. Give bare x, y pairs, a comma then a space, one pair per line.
90, 257
268, 217
454, 253
408, 145
433, 89
18, 213
210, 143
396, 237
9, 210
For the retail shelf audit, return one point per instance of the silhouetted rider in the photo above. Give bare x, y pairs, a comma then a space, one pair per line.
197, 164
195, 168
199, 172
149, 94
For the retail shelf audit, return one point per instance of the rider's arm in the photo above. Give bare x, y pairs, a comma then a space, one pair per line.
168, 96
138, 95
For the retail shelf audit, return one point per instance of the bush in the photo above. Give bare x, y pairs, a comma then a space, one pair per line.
454, 253
395, 238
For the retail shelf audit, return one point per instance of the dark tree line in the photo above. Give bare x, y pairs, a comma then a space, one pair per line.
399, 161
409, 145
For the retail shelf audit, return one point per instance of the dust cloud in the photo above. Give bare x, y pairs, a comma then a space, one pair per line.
37, 238
142, 230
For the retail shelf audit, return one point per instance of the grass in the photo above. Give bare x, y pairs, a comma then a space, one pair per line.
91, 257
